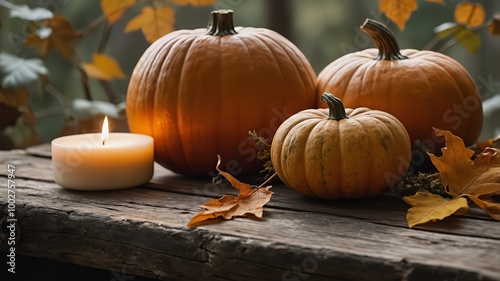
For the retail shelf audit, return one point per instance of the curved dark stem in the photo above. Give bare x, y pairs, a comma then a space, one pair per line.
104, 38
106, 85
388, 47
336, 107
92, 26
221, 23
85, 84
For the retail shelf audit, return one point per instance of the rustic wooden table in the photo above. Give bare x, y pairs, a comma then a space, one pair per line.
142, 231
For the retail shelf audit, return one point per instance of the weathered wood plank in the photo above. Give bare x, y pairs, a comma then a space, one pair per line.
142, 231
390, 210
123, 229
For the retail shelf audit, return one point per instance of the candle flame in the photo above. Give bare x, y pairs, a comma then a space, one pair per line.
105, 130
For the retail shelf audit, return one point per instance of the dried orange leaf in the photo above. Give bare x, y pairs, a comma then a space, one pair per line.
14, 97
249, 201
470, 14
492, 208
154, 23
487, 184
477, 179
488, 158
482, 145
454, 166
399, 11
103, 67
436, 1
61, 38
429, 207
459, 174
114, 9
494, 27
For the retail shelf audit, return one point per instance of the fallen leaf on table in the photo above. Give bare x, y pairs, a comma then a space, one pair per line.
431, 207
250, 200
477, 180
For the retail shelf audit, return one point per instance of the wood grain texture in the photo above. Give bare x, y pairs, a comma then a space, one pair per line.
142, 231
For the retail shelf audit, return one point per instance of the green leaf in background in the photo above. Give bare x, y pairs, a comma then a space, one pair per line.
18, 71
26, 13
469, 39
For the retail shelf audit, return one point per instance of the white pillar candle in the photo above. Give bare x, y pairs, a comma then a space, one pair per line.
87, 162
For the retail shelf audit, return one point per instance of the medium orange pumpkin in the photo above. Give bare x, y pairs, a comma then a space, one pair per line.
423, 89
199, 92
341, 153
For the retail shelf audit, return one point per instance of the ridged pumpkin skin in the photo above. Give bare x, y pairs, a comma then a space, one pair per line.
424, 90
330, 158
199, 92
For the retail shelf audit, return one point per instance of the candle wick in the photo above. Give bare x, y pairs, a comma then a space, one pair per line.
103, 141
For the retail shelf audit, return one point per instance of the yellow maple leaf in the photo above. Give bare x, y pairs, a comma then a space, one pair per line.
103, 67
61, 38
114, 9
428, 207
399, 11
249, 201
470, 14
154, 22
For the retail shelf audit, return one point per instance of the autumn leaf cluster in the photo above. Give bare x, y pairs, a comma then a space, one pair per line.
469, 19
464, 179
49, 33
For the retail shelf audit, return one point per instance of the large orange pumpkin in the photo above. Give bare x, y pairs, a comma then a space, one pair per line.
423, 89
199, 92
341, 153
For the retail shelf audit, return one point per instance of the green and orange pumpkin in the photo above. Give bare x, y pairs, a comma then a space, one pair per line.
341, 153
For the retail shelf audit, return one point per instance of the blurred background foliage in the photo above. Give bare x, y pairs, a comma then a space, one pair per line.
324, 30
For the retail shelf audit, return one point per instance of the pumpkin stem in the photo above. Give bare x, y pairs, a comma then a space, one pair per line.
221, 23
337, 110
388, 47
